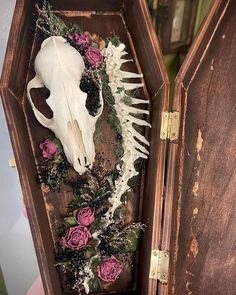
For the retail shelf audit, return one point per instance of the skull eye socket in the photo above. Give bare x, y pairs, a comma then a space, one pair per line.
91, 87
39, 98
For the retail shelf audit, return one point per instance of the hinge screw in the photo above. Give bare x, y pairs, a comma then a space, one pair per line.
164, 275
165, 255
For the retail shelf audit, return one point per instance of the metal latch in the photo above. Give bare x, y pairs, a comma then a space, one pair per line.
170, 126
159, 265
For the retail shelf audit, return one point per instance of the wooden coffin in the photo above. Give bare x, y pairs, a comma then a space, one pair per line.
130, 20
187, 194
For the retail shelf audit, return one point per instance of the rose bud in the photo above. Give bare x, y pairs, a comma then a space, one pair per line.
94, 56
49, 149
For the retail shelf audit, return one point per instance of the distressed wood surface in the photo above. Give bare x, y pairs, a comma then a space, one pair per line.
203, 242
45, 210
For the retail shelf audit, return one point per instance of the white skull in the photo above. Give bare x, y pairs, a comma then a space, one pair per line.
59, 67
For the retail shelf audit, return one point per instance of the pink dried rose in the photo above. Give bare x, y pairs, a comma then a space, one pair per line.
49, 149
94, 56
81, 39
85, 216
76, 237
109, 269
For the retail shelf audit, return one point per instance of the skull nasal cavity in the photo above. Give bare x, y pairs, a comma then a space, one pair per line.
85, 161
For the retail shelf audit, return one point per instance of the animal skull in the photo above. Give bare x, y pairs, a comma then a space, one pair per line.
59, 67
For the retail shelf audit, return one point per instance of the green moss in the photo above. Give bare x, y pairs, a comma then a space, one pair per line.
94, 285
127, 239
127, 100
114, 39
120, 89
55, 174
133, 93
138, 115
98, 136
115, 122
138, 165
112, 117
119, 152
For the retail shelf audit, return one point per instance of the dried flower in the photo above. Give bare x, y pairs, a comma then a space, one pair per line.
81, 39
85, 216
109, 269
49, 149
95, 38
45, 188
76, 237
94, 56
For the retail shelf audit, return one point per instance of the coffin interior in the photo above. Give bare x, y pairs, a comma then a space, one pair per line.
204, 234
130, 20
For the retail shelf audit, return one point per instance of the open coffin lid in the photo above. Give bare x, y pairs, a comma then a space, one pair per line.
131, 21
200, 215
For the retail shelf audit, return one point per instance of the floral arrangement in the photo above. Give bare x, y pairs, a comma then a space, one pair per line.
95, 250
95, 244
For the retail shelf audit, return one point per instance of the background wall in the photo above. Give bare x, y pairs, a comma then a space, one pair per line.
18, 264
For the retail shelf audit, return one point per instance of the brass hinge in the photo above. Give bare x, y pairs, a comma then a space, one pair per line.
170, 126
159, 268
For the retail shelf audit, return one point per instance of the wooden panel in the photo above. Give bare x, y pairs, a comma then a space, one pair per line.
203, 246
44, 209
85, 5
19, 48
140, 28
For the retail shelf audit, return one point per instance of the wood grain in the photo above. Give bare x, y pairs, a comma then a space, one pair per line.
203, 226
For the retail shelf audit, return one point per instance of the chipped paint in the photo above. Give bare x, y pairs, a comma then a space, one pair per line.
187, 288
173, 289
49, 207
190, 273
194, 247
195, 189
195, 212
230, 262
199, 144
212, 64
223, 36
